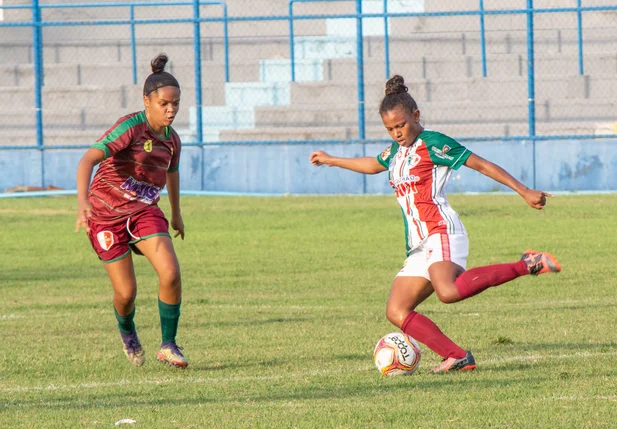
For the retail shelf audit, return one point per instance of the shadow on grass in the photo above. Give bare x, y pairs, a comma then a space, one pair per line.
521, 357
317, 390
249, 323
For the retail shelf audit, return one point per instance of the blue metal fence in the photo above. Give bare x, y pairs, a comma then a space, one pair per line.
38, 23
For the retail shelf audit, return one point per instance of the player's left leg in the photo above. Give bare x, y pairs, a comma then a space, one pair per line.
452, 283
159, 251
149, 230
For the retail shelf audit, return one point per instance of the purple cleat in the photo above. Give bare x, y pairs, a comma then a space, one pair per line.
170, 354
132, 348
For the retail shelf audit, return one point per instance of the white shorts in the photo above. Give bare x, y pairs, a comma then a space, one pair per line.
436, 248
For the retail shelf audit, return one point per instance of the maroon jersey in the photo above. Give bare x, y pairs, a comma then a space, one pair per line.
134, 170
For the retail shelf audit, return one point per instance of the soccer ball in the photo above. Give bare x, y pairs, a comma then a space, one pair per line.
397, 354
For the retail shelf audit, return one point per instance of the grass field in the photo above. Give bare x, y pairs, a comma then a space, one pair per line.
284, 300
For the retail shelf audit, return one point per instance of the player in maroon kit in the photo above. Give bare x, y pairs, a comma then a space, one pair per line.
420, 162
138, 156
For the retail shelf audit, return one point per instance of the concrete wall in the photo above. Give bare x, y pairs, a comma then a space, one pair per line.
564, 165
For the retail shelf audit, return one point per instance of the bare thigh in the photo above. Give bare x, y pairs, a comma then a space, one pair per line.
122, 276
159, 250
405, 295
443, 276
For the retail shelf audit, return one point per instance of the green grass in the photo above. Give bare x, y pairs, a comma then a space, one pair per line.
284, 299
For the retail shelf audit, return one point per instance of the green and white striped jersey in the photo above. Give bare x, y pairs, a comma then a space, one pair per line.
419, 175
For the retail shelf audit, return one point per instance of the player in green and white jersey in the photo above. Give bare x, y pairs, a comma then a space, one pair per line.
420, 163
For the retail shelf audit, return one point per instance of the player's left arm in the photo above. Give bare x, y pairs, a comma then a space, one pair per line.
173, 192
535, 199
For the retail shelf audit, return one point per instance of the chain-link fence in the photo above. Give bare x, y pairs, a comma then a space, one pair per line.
298, 70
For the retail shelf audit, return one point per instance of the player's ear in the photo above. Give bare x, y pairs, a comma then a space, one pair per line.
146, 101
416, 115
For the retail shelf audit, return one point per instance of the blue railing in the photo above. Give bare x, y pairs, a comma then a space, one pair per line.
37, 24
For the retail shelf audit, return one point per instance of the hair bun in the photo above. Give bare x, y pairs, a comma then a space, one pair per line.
396, 85
158, 63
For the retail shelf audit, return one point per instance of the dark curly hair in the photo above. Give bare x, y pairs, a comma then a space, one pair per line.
397, 95
159, 77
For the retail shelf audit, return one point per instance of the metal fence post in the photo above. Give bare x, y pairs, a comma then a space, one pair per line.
133, 47
198, 98
386, 40
226, 40
482, 38
292, 50
360, 65
531, 88
37, 44
579, 18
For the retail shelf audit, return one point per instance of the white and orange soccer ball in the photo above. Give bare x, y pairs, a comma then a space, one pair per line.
397, 354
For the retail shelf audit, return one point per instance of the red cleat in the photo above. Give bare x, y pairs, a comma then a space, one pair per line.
540, 262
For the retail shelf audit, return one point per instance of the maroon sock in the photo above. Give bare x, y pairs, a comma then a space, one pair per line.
424, 330
478, 279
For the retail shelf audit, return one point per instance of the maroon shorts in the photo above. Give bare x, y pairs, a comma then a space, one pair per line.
112, 242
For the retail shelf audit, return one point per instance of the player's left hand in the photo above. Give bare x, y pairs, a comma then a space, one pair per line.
536, 199
177, 225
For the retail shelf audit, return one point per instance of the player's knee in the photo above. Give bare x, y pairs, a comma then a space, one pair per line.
396, 315
447, 295
125, 297
171, 277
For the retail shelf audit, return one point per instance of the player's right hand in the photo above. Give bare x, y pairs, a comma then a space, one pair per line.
319, 157
83, 213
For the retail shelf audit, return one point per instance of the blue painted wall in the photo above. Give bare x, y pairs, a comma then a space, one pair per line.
564, 165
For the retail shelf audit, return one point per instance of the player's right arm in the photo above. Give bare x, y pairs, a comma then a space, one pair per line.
365, 164
90, 159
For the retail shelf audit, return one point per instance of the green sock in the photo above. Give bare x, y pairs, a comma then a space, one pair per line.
170, 314
125, 323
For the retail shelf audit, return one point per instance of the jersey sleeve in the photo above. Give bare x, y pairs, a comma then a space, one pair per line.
175, 156
118, 137
444, 150
384, 157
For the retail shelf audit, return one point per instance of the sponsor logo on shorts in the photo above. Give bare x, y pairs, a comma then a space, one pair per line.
105, 239
142, 191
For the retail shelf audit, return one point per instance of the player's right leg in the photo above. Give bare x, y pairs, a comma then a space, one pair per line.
406, 294
111, 244
122, 276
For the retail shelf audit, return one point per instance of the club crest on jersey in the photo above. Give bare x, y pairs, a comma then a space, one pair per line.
445, 148
148, 146
105, 239
413, 160
145, 192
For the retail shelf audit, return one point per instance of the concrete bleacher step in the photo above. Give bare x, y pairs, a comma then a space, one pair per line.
471, 89
93, 118
70, 136
463, 66
54, 137
279, 70
217, 118
123, 97
256, 94
113, 74
499, 112
288, 133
